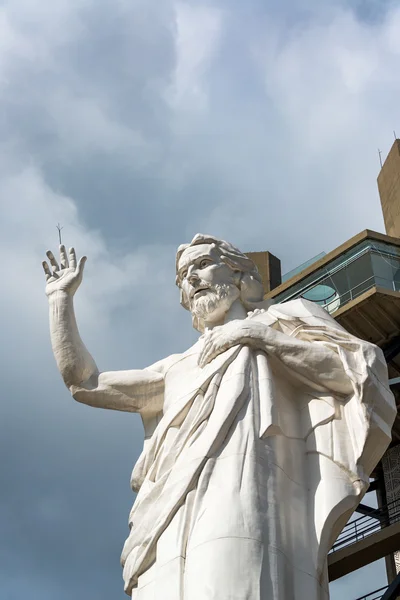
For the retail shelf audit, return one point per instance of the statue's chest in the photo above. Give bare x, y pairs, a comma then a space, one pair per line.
180, 378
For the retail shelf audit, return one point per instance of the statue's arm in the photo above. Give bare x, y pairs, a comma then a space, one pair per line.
74, 362
132, 391
310, 362
314, 363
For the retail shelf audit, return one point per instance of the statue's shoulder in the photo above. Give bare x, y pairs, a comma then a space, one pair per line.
295, 312
297, 308
301, 310
163, 365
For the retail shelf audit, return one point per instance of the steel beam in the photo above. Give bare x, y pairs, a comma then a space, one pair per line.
393, 590
357, 555
373, 486
374, 513
392, 349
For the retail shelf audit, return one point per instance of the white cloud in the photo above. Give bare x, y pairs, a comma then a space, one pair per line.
30, 32
325, 77
85, 128
307, 156
198, 28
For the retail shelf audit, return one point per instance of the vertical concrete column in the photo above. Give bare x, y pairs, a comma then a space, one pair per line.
269, 267
389, 190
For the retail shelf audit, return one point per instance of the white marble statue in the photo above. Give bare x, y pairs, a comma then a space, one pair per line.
259, 439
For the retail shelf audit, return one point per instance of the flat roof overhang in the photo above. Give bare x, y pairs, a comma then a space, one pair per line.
373, 316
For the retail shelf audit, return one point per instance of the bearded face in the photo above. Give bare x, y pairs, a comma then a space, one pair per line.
212, 303
210, 287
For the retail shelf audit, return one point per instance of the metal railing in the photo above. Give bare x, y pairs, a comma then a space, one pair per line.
376, 595
366, 525
352, 293
361, 528
349, 295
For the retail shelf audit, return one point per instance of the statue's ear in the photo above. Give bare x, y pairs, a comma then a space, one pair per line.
237, 278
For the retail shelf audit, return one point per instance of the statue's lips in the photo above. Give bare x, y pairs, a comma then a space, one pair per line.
199, 292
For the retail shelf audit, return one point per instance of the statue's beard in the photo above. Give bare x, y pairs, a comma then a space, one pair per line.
216, 302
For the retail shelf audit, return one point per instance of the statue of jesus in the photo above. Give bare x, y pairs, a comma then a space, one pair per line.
259, 439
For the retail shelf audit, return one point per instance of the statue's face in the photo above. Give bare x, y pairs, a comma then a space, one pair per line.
209, 285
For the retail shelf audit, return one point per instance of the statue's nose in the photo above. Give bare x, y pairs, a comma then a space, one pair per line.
193, 277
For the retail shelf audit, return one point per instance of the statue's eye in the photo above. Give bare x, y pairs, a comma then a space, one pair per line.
204, 263
184, 274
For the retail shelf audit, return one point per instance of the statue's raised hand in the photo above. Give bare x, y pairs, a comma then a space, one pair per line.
66, 276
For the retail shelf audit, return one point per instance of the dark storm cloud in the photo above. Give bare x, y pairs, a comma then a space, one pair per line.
113, 59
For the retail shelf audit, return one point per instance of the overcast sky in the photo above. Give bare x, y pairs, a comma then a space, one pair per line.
136, 124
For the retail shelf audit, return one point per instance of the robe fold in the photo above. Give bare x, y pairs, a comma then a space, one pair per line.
256, 463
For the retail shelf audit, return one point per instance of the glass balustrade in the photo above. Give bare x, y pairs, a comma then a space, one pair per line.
368, 264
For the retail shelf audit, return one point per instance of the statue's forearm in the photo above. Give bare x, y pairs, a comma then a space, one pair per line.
312, 362
73, 359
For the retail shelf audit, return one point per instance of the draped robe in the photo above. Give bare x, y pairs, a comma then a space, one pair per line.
252, 468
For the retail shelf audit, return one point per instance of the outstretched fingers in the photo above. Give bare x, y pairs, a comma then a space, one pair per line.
47, 271
52, 260
63, 257
72, 258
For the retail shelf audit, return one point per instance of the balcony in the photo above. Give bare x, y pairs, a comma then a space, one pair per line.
365, 540
371, 263
367, 525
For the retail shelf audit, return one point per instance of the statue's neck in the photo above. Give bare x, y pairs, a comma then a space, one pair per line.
236, 311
